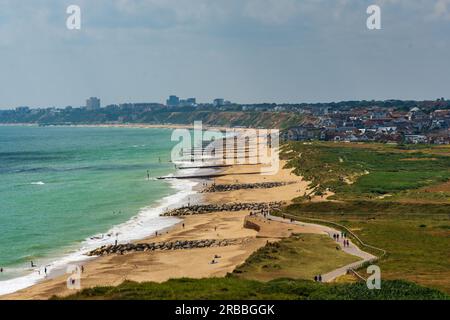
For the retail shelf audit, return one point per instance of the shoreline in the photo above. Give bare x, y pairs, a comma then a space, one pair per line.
179, 263
162, 265
57, 261
184, 191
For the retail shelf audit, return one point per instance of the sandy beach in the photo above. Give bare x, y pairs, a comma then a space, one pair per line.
160, 266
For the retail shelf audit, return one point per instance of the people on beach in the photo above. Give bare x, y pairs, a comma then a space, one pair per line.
32, 264
183, 225
1, 270
148, 175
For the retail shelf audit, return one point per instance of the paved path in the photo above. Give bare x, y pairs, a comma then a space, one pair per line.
351, 249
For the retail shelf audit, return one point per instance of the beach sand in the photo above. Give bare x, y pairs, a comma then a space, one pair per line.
160, 266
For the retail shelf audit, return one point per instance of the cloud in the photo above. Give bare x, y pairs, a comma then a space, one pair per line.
441, 9
253, 49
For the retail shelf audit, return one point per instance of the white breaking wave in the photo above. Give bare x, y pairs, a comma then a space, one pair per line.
39, 183
144, 224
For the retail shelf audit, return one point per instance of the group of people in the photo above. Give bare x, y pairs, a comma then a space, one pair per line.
214, 260
343, 236
318, 278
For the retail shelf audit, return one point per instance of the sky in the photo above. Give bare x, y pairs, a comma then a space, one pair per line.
246, 51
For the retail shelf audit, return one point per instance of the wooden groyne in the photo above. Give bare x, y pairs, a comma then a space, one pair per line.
205, 176
212, 166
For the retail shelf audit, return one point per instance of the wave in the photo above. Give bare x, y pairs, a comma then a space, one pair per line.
144, 224
39, 183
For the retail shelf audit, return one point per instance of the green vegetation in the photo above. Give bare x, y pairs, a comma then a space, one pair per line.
298, 257
369, 207
417, 245
398, 200
233, 288
370, 171
393, 197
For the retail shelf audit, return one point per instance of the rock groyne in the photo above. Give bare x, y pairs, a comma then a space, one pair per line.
240, 186
208, 208
166, 245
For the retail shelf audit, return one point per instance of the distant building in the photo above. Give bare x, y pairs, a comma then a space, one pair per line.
173, 101
22, 109
93, 103
191, 101
416, 138
219, 102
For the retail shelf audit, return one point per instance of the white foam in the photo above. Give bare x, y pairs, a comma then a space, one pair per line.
144, 224
39, 183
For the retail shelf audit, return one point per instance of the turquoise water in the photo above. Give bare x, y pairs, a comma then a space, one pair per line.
60, 185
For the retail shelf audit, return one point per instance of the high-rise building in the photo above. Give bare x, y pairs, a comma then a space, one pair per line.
191, 101
173, 101
93, 103
218, 102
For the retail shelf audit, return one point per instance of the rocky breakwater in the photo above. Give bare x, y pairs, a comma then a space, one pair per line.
240, 186
166, 245
208, 208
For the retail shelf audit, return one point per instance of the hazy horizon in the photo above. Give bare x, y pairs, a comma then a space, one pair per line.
245, 51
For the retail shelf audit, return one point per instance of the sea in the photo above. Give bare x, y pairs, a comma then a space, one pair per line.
67, 190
